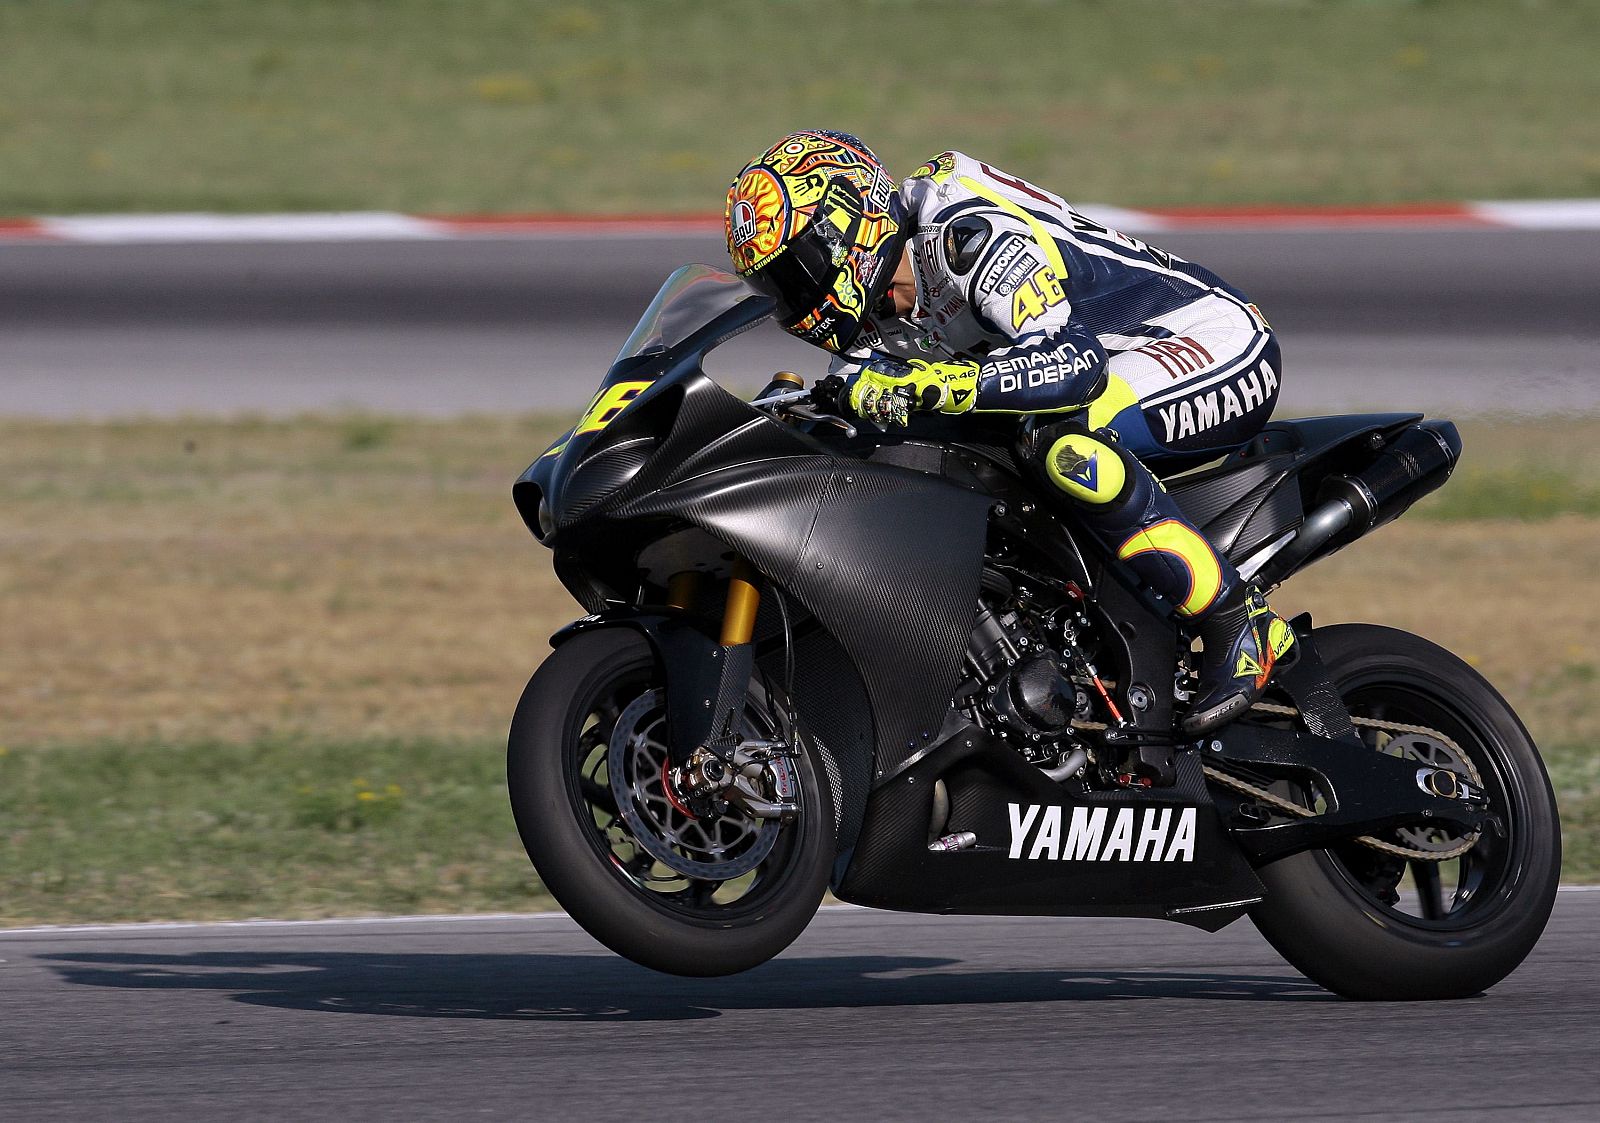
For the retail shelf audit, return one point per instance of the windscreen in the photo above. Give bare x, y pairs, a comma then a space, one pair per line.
691, 298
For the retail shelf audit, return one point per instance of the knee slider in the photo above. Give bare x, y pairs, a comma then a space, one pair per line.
1088, 469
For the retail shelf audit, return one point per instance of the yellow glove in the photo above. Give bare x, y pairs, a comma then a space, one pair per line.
887, 390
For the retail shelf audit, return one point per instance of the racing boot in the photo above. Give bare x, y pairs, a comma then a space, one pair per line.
1244, 644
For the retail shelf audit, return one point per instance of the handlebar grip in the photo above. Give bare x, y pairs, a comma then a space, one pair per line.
828, 393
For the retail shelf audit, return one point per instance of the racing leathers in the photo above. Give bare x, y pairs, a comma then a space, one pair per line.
1108, 349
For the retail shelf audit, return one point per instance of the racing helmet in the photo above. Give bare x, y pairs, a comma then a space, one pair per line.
816, 222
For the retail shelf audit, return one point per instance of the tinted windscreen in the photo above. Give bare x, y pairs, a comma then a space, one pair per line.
691, 298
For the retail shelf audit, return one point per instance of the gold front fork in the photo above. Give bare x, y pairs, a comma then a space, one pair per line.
684, 588
739, 614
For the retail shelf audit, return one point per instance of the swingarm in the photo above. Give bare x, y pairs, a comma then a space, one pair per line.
1347, 788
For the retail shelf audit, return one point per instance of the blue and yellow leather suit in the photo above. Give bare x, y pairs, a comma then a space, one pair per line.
1109, 349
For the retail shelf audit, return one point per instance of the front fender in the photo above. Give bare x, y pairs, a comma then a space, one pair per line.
620, 616
706, 682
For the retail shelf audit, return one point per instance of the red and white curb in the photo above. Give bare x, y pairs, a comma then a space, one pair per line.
387, 226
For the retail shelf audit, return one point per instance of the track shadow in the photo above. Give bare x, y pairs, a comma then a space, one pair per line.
603, 988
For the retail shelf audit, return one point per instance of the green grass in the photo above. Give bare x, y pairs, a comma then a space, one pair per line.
1575, 775
275, 828
300, 829
614, 105
1527, 495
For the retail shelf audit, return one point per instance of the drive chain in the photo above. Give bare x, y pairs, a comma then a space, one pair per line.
1289, 807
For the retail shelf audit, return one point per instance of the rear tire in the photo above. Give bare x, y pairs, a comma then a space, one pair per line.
585, 851
1331, 913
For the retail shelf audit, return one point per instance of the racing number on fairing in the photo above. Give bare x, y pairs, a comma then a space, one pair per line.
1035, 296
608, 404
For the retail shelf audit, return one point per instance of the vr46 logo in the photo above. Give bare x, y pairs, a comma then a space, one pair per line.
608, 404
1035, 296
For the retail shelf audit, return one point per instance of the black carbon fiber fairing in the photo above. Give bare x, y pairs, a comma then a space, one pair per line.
1225, 503
1261, 491
876, 545
873, 552
886, 558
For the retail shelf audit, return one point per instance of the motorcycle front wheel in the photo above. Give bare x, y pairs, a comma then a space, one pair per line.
587, 771
1372, 925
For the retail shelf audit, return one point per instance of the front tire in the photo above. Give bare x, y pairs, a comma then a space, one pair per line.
585, 848
1339, 916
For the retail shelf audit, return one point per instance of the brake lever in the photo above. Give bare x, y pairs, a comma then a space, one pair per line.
806, 413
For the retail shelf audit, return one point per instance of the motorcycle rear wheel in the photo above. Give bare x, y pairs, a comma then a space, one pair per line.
1338, 914
584, 846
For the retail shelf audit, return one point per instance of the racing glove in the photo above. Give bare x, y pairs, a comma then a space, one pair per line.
886, 391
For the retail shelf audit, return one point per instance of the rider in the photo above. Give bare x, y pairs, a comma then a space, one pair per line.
967, 290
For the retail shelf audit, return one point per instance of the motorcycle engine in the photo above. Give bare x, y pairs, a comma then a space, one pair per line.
1034, 697
1026, 695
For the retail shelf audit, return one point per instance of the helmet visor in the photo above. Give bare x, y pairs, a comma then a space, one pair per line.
800, 277
797, 278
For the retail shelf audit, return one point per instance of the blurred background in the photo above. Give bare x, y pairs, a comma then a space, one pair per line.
265, 606
494, 105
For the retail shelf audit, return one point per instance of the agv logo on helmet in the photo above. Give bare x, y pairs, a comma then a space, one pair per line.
743, 223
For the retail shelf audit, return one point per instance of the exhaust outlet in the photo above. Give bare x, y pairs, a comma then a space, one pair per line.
1416, 463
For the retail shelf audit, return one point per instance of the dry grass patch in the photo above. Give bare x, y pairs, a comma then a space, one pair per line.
1517, 602
205, 580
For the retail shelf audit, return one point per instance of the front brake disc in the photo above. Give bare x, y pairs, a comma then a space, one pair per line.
705, 849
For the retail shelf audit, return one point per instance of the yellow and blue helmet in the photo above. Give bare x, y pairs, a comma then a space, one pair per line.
816, 222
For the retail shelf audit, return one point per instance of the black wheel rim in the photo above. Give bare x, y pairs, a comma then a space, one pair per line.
1458, 893
711, 900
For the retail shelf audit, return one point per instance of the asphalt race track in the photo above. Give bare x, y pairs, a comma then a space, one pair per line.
869, 1016
1457, 320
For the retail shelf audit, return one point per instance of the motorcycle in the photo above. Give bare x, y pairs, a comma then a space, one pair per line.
889, 663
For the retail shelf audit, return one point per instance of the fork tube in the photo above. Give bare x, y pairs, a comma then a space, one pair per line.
683, 588
739, 614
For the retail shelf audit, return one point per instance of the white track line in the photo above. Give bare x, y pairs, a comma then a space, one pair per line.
1543, 214
366, 226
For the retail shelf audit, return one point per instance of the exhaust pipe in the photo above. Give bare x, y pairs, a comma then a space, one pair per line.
1417, 462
